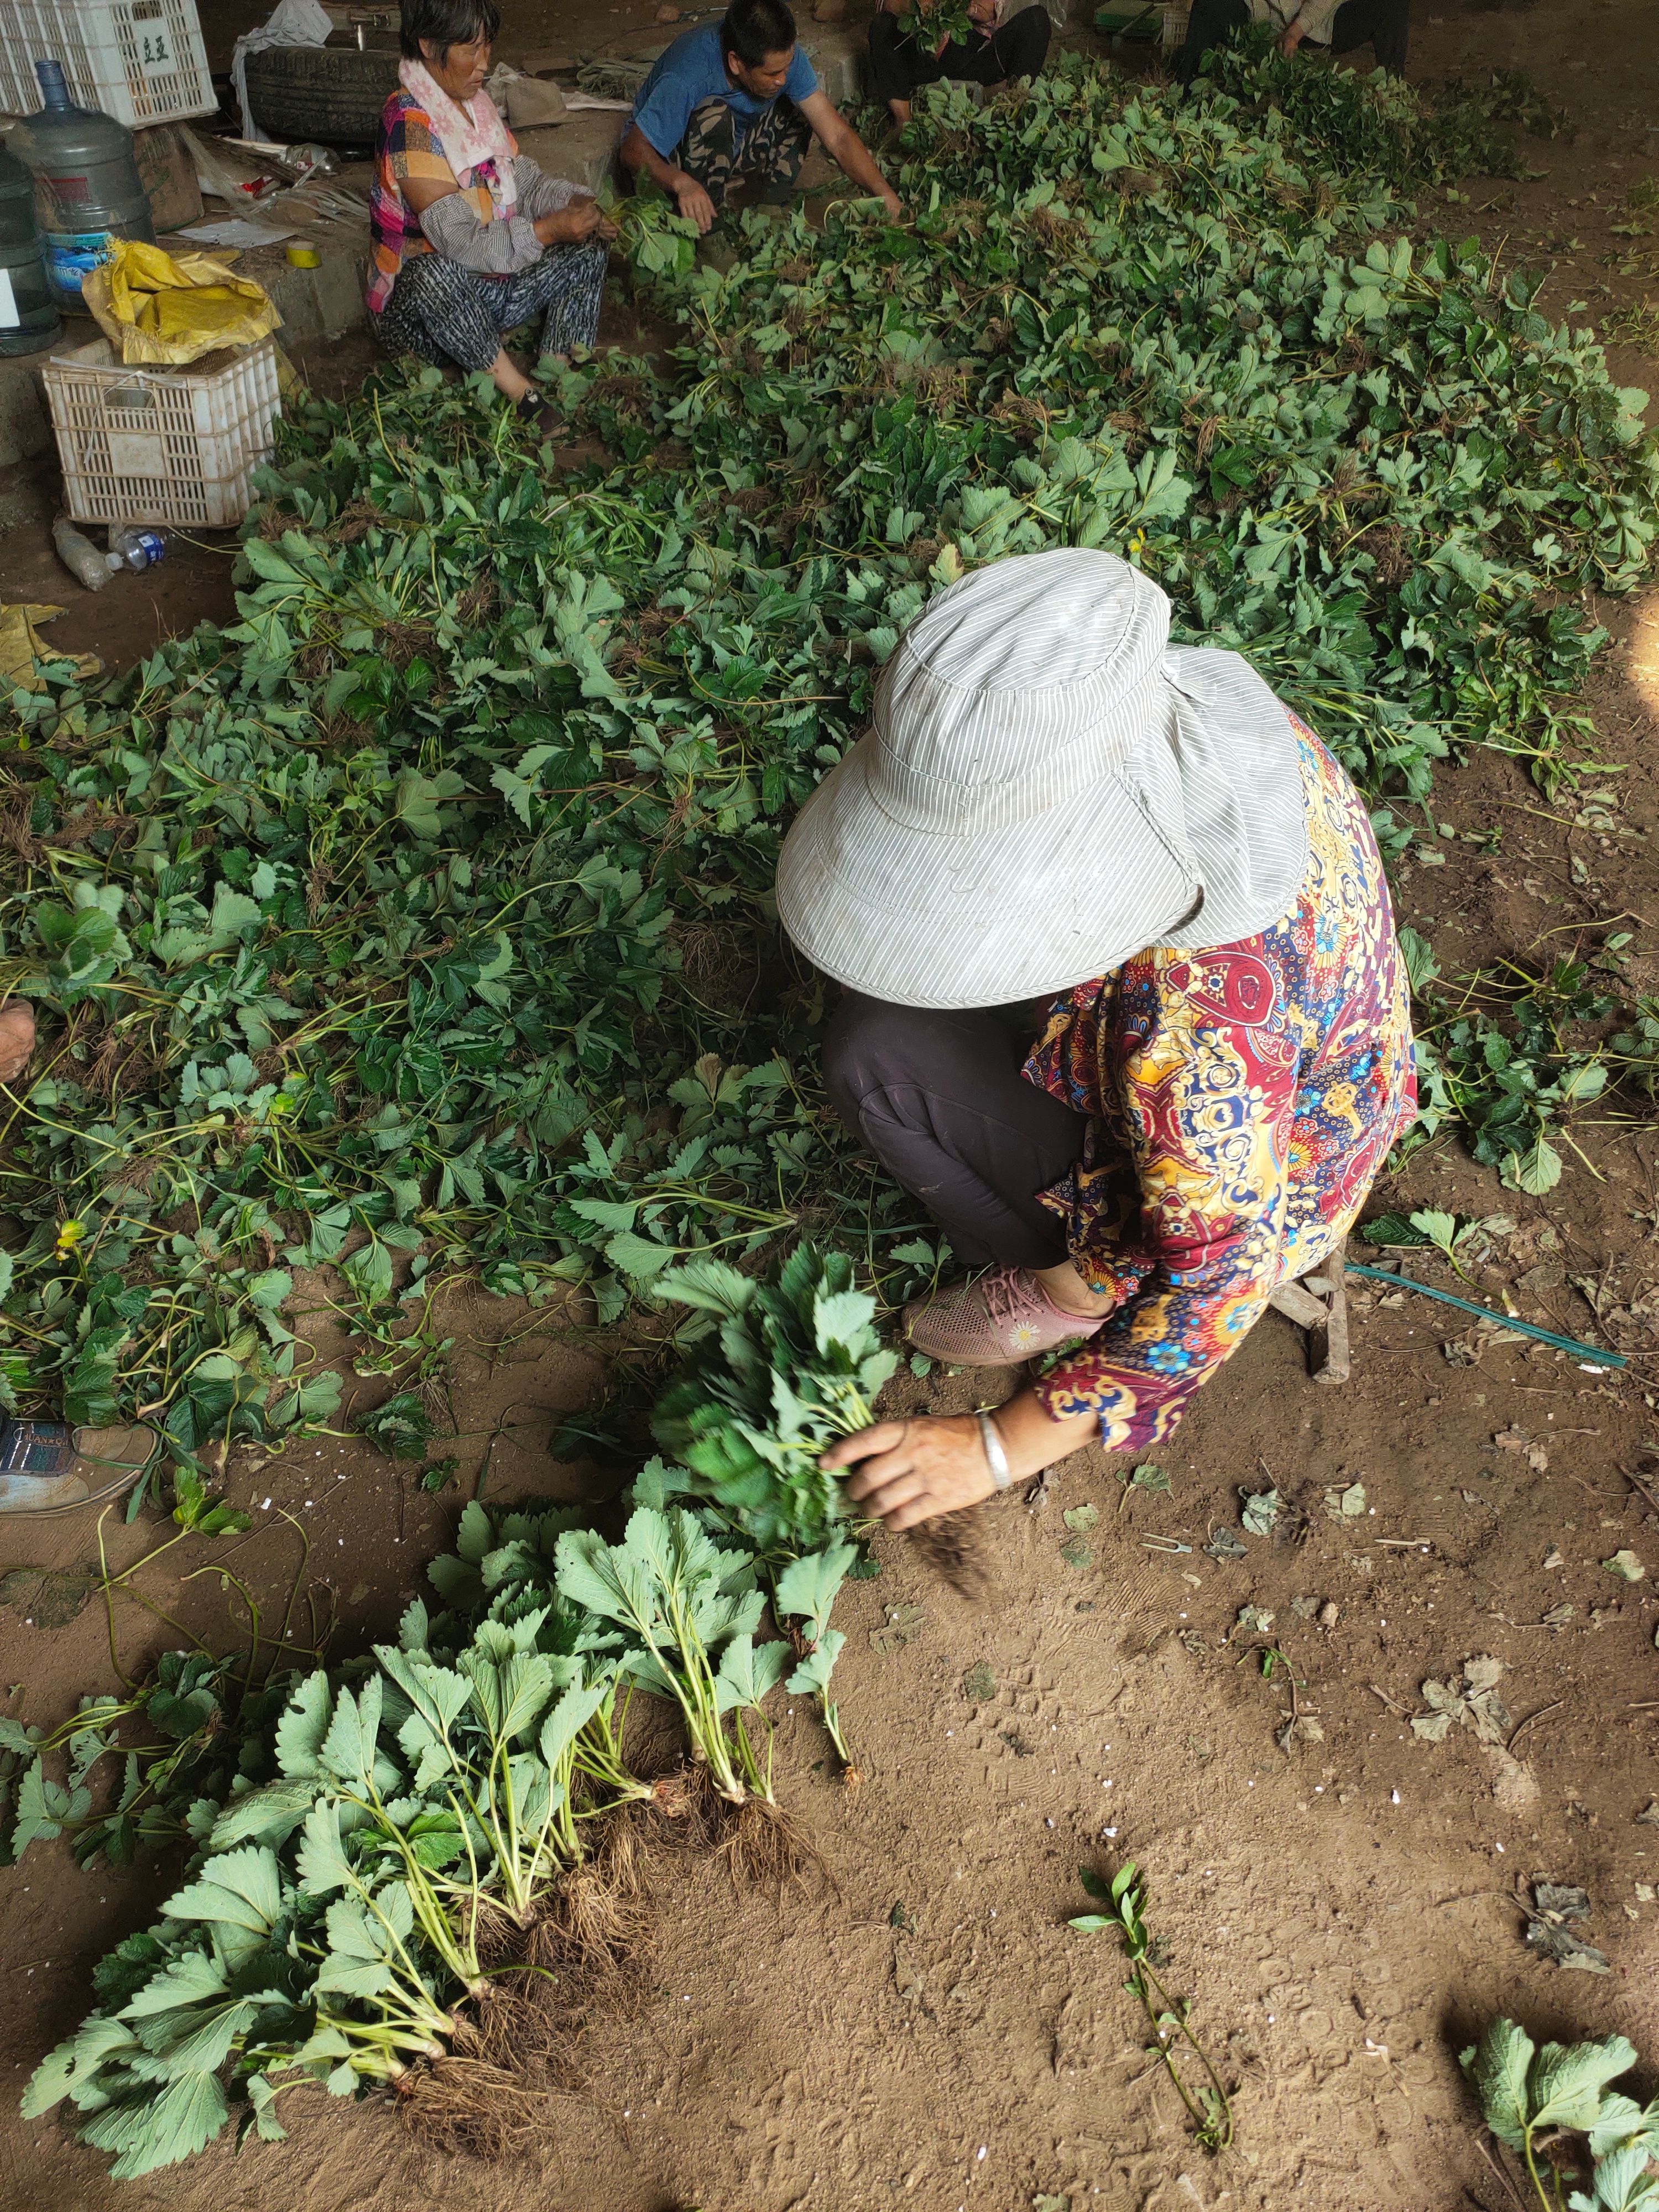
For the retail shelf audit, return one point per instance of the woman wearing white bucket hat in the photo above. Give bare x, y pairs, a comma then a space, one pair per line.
1055, 805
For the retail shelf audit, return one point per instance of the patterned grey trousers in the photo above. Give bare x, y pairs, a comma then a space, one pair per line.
445, 312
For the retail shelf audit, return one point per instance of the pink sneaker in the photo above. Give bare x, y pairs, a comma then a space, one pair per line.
998, 1320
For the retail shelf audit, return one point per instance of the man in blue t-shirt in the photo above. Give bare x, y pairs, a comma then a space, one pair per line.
739, 99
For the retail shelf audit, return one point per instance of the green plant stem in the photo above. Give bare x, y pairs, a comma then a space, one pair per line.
598, 1754
832, 1723
1205, 2126
1550, 2200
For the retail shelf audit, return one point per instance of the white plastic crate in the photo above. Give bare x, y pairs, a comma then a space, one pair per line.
173, 446
141, 61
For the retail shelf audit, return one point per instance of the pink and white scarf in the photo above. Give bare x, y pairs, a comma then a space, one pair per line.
473, 139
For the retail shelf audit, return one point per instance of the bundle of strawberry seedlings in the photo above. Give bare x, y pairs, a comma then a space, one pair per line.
792, 1365
422, 1881
423, 1863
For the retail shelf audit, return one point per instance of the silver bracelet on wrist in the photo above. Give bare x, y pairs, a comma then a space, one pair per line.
1001, 1473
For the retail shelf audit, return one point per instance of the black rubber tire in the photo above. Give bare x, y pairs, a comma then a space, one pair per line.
332, 94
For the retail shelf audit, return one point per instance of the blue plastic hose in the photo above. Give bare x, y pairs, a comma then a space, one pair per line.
1488, 1313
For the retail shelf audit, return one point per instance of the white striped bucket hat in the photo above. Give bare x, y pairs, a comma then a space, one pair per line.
1047, 788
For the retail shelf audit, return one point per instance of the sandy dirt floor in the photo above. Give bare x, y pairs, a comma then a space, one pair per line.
929, 2033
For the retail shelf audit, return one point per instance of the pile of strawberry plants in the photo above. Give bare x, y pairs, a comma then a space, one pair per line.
395, 1883
420, 921
1380, 122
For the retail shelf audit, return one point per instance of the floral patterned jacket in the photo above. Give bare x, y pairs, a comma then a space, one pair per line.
1243, 1099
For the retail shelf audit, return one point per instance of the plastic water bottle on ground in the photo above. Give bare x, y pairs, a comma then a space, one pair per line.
80, 555
131, 545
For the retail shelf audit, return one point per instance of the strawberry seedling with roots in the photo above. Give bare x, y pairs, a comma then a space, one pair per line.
688, 1610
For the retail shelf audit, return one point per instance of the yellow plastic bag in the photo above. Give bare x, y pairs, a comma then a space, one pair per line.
22, 647
155, 307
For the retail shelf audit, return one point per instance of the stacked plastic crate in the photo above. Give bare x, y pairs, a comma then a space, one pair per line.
170, 445
141, 61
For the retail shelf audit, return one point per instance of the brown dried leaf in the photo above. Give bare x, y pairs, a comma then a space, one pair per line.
1299, 1730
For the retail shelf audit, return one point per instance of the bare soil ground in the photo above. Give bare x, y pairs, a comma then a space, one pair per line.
930, 2034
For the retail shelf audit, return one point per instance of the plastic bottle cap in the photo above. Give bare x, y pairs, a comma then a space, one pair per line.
304, 256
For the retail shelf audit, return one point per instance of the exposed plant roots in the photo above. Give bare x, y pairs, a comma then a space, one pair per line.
517, 2044
503, 2029
765, 1847
544, 1977
680, 1809
717, 962
599, 1915
955, 1546
469, 2105
619, 1855
531, 2021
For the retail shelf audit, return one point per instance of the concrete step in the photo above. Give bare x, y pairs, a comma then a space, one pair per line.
837, 52
582, 148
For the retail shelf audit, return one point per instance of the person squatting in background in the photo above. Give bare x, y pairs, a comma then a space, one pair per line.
1007, 41
738, 98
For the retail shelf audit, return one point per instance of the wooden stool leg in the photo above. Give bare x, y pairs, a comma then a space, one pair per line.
1318, 1304
1328, 1348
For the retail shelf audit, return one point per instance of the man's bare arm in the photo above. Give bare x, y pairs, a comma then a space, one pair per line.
687, 194
846, 149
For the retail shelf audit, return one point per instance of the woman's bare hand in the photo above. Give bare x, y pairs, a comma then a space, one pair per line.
913, 1471
571, 226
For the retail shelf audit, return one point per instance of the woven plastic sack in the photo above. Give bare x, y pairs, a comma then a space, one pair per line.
154, 306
